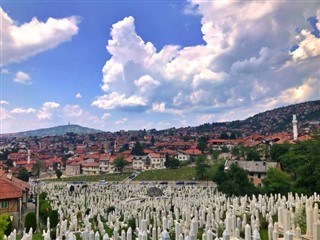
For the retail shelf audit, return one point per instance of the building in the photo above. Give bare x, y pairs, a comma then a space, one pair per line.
73, 169
257, 170
13, 197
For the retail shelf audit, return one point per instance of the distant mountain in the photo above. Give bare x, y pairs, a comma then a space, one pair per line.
59, 130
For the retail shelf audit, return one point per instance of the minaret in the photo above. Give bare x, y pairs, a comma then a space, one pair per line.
295, 127
28, 161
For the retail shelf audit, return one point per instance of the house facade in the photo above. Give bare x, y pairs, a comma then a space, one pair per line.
13, 197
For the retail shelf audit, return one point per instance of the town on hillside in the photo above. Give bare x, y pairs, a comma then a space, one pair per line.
24, 159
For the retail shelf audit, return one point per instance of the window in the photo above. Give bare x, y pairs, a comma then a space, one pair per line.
4, 204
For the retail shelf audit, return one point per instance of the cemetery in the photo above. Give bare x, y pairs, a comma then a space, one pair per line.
163, 212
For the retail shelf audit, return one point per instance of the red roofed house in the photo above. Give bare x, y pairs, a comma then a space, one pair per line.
188, 154
157, 160
13, 196
90, 167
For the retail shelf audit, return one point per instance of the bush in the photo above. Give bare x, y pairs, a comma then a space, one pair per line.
54, 218
30, 221
4, 223
44, 209
9, 228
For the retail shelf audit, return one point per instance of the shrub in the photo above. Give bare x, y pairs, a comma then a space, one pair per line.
54, 218
4, 222
9, 228
30, 221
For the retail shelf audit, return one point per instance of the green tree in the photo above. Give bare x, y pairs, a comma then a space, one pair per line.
201, 167
54, 218
202, 146
137, 150
253, 155
23, 174
276, 181
119, 163
277, 150
30, 222
171, 162
233, 181
4, 223
37, 167
58, 173
225, 149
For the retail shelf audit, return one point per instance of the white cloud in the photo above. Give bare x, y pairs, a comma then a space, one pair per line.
159, 107
22, 77
22, 110
115, 100
45, 113
5, 115
105, 116
4, 102
309, 46
205, 118
5, 71
145, 83
238, 67
73, 111
78, 95
122, 121
31, 38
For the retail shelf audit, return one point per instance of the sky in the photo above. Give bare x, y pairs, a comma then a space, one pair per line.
138, 64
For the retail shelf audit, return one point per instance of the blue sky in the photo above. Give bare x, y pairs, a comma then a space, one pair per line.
115, 65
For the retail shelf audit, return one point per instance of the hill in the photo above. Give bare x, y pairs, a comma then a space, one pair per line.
272, 121
58, 130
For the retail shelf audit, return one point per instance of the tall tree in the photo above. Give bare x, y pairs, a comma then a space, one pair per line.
119, 163
234, 181
137, 150
201, 167
23, 174
37, 167
276, 181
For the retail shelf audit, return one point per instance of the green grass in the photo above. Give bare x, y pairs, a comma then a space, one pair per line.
184, 174
93, 178
35, 236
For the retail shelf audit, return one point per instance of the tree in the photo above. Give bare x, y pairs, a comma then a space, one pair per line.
201, 167
152, 141
37, 167
58, 173
54, 218
234, 181
30, 221
202, 146
4, 223
225, 149
253, 155
119, 163
277, 150
171, 162
137, 150
276, 181
23, 174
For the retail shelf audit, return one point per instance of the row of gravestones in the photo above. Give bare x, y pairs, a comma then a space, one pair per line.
183, 211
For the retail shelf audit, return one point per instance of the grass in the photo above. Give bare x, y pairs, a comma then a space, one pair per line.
184, 174
35, 236
93, 178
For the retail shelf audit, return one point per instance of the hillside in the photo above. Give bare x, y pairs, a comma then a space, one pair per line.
272, 121
59, 130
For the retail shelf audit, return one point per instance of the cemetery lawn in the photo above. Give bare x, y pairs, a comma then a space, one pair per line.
183, 174
114, 177
35, 236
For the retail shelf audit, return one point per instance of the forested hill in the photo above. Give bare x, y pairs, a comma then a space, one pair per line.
59, 130
273, 121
